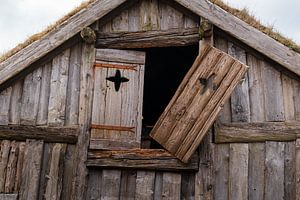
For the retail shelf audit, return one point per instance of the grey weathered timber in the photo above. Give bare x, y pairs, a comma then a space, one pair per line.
20, 162
48, 134
31, 169
94, 184
9, 196
219, 73
11, 167
84, 119
121, 56
15, 103
148, 39
171, 186
297, 164
149, 15
4, 108
110, 184
128, 184
245, 33
256, 132
5, 148
170, 17
153, 159
187, 185
145, 185
240, 112
27, 56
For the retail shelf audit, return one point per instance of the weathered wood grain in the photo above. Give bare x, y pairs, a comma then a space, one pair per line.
170, 17
58, 89
187, 186
5, 149
9, 196
149, 15
297, 166
21, 60
15, 103
245, 33
148, 39
4, 108
31, 169
145, 185
94, 184
171, 186
155, 159
48, 134
110, 184
193, 99
256, 132
128, 184
20, 162
121, 56
84, 119
11, 167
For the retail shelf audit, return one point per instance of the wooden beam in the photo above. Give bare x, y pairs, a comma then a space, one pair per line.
245, 33
8, 196
45, 133
150, 159
256, 132
148, 39
30, 54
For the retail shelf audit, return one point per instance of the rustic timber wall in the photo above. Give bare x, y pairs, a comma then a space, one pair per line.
49, 96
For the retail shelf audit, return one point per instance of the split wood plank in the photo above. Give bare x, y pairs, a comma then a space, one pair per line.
110, 184
158, 184
149, 15
145, 185
149, 39
30, 97
30, 54
120, 22
256, 132
171, 186
113, 109
58, 89
94, 184
9, 196
11, 167
5, 97
42, 115
31, 169
239, 153
245, 33
48, 134
180, 129
155, 159
5, 149
128, 184
73, 89
187, 185
20, 162
79, 182
15, 103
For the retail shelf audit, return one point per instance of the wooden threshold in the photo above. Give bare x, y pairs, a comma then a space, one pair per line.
256, 132
146, 159
45, 133
148, 39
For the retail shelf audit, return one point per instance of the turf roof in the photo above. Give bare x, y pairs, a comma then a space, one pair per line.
241, 14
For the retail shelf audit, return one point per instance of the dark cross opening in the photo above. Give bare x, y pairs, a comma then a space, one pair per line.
117, 80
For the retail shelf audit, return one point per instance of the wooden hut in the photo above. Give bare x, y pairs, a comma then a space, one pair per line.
107, 104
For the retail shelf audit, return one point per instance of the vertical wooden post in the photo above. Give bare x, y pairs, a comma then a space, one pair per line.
85, 107
204, 178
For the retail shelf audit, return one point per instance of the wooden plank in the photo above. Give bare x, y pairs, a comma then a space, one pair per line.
5, 149
134, 18
4, 108
31, 169
110, 184
8, 196
30, 54
73, 89
148, 39
274, 188
55, 181
155, 159
85, 109
58, 89
42, 115
145, 185
94, 184
120, 56
128, 184
170, 17
297, 166
256, 132
120, 22
171, 186
187, 186
181, 115
20, 162
158, 185
11, 167
30, 97
149, 15
15, 103
48, 134
245, 33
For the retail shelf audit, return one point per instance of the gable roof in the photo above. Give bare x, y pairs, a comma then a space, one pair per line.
93, 10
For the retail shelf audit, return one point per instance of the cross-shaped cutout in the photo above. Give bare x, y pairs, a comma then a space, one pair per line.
117, 80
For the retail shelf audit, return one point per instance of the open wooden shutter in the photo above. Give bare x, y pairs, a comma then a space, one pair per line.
117, 101
197, 102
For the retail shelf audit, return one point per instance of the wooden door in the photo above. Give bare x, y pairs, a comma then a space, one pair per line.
197, 102
117, 100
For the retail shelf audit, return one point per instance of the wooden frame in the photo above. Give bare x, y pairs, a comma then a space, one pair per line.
146, 159
256, 132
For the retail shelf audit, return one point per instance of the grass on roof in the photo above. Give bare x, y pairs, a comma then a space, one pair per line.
241, 14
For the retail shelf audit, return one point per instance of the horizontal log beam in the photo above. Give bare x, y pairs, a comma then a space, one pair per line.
149, 159
256, 132
48, 134
148, 39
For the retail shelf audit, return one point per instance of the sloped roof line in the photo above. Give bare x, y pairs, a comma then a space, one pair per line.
96, 9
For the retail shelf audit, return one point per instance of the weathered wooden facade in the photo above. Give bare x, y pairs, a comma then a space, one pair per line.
77, 106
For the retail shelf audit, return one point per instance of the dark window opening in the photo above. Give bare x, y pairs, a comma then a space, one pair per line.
165, 69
